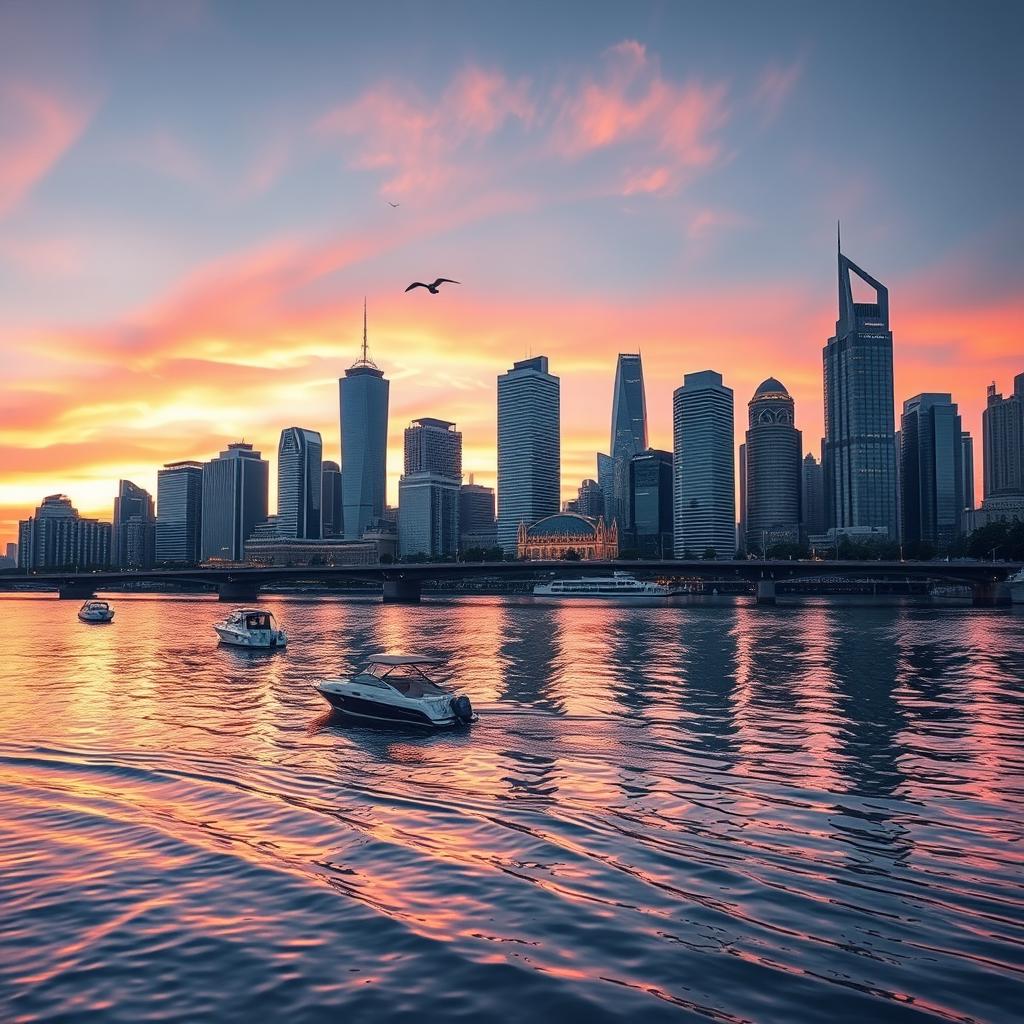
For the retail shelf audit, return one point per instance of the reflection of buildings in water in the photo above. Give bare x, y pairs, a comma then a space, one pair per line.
529, 651
530, 775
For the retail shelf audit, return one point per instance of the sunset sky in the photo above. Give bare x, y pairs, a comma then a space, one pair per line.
194, 201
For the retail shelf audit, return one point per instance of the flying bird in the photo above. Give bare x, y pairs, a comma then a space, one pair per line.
393, 204
432, 288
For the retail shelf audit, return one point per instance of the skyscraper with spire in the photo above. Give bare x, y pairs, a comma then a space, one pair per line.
629, 432
363, 393
859, 452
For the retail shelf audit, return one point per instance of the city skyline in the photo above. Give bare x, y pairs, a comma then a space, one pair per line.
194, 290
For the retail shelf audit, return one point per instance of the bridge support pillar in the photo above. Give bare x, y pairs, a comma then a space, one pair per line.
238, 591
401, 592
766, 591
990, 593
78, 591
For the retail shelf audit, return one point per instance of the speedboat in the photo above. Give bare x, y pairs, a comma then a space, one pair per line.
396, 689
96, 611
1016, 582
620, 586
250, 627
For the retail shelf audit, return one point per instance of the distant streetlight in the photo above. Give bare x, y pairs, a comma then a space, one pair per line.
992, 553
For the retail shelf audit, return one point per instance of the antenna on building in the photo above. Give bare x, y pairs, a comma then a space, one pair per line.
839, 241
364, 328
365, 360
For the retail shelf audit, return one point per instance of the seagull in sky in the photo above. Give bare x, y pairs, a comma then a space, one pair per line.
393, 204
432, 288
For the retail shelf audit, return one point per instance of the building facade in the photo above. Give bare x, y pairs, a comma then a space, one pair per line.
650, 507
1002, 431
859, 453
57, 537
477, 527
770, 479
299, 483
931, 470
704, 479
261, 549
429, 490
529, 447
133, 535
629, 431
364, 393
235, 486
566, 535
589, 500
179, 513
332, 522
812, 497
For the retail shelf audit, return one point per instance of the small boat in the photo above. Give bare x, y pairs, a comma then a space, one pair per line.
96, 611
621, 586
250, 627
1016, 582
396, 689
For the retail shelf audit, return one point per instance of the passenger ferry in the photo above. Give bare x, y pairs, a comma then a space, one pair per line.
621, 586
1016, 582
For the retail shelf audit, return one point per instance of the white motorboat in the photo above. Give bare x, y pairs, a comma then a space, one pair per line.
96, 611
1016, 583
621, 586
396, 689
250, 627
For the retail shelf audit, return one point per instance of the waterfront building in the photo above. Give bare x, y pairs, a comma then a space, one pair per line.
263, 548
529, 447
1002, 430
363, 392
629, 430
477, 527
704, 484
57, 537
235, 488
179, 513
331, 517
931, 470
133, 535
650, 511
812, 497
770, 475
429, 490
565, 535
859, 453
299, 483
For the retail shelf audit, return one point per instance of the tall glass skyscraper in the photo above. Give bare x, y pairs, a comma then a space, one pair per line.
772, 466
428, 493
299, 484
704, 479
363, 394
859, 454
529, 447
812, 497
931, 470
650, 475
179, 511
134, 531
331, 519
629, 430
1002, 432
967, 464
234, 501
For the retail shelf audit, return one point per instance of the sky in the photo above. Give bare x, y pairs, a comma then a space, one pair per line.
195, 199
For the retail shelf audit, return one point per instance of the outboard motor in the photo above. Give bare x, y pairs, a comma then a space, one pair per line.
462, 709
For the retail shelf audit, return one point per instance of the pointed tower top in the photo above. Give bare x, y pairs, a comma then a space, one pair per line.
365, 362
839, 240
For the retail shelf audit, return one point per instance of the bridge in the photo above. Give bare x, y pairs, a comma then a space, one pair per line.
402, 582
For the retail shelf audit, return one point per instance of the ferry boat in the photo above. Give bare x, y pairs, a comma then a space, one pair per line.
1016, 582
396, 689
620, 586
250, 627
96, 611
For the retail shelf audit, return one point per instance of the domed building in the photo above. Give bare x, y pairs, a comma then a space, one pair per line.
555, 536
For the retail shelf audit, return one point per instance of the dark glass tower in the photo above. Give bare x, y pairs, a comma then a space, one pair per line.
234, 501
629, 431
179, 510
299, 484
330, 500
134, 531
650, 475
364, 442
859, 454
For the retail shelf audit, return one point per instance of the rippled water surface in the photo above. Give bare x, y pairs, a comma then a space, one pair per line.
706, 812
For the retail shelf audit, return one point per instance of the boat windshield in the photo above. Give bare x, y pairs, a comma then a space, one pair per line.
259, 620
408, 680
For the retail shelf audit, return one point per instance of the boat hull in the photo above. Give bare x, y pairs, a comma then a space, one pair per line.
94, 619
358, 708
613, 598
253, 641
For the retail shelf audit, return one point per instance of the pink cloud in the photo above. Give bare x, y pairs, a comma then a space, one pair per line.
36, 129
774, 87
709, 219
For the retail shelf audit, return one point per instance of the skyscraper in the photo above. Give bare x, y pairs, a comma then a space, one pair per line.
332, 521
773, 469
1002, 431
133, 537
629, 429
179, 513
650, 474
589, 500
234, 501
859, 454
476, 516
967, 465
299, 483
704, 483
428, 493
529, 447
363, 395
812, 496
57, 537
931, 470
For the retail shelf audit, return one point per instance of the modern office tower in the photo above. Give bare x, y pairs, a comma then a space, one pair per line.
931, 470
57, 537
1002, 431
741, 526
299, 483
364, 442
967, 465
477, 525
772, 469
179, 513
133, 537
606, 481
331, 518
859, 454
529, 447
629, 429
704, 482
812, 496
234, 501
650, 486
589, 500
429, 491
12, 552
